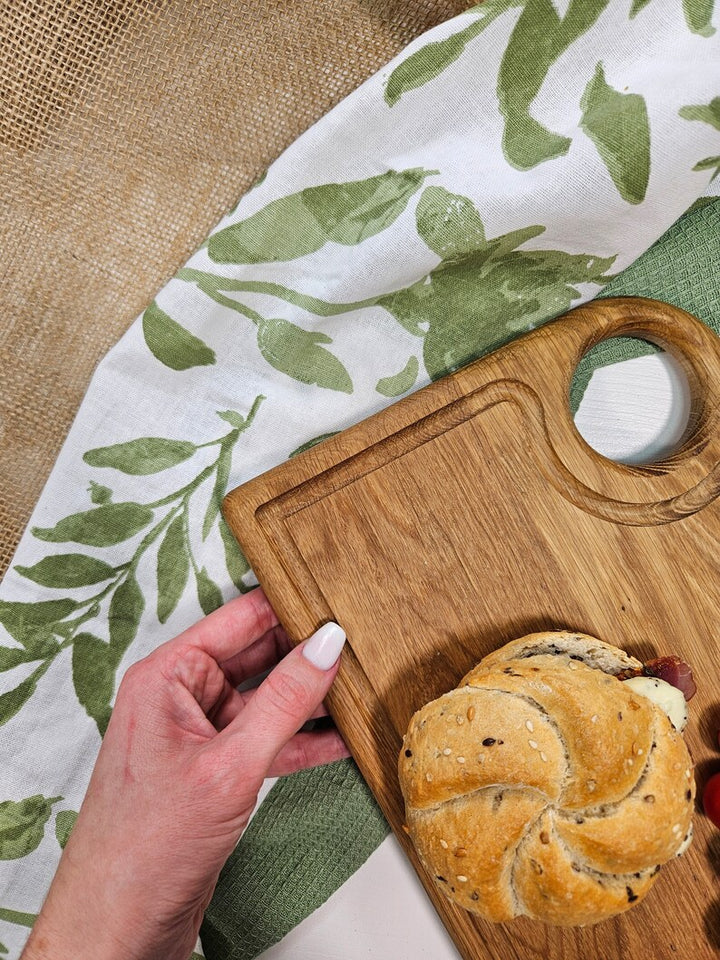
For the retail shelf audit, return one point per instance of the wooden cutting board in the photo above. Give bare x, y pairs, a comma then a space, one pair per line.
472, 513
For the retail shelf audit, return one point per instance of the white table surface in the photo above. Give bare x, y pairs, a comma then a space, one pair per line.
632, 411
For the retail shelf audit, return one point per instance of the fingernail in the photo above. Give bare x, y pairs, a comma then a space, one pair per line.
325, 645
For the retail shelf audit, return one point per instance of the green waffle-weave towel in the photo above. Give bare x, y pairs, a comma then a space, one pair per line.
313, 831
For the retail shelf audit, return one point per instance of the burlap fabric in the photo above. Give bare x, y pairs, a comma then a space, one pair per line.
127, 128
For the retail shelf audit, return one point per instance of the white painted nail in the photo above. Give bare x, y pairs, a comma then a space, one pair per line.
325, 645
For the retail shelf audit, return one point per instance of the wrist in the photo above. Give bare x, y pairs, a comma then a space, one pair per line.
102, 910
86, 915
54, 938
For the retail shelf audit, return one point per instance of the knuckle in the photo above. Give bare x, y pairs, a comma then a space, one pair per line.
129, 694
134, 678
139, 681
288, 693
190, 665
298, 756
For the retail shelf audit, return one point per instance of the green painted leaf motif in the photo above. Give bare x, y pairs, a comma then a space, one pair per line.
17, 917
295, 352
312, 443
41, 644
432, 59
410, 306
103, 526
352, 212
67, 570
64, 822
143, 456
224, 462
538, 40
126, 609
171, 343
477, 307
709, 113
22, 825
222, 478
38, 643
173, 567
449, 223
508, 242
698, 16
4, 949
23, 621
401, 382
237, 565
472, 305
213, 285
617, 123
235, 419
14, 700
426, 64
99, 493
294, 226
710, 163
93, 669
11, 657
209, 595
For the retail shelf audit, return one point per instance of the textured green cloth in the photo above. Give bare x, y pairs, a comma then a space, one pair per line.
317, 827
314, 830
681, 269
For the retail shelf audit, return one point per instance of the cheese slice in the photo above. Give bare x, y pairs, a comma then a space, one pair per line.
664, 695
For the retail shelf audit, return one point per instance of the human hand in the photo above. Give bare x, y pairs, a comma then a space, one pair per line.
176, 781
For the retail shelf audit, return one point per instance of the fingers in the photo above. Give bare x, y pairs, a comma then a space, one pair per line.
258, 657
308, 750
195, 658
234, 701
284, 701
231, 628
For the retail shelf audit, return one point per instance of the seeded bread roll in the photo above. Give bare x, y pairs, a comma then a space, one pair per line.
544, 786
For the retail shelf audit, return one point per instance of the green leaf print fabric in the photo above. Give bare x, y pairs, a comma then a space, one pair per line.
513, 163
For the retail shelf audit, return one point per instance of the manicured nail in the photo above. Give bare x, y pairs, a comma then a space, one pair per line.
325, 645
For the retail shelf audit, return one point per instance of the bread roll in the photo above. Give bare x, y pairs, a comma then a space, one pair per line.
544, 786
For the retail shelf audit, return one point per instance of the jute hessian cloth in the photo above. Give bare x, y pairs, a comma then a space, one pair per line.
127, 129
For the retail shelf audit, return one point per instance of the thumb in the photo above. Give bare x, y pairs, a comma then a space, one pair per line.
288, 696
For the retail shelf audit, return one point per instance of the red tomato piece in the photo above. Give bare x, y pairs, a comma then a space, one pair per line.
711, 799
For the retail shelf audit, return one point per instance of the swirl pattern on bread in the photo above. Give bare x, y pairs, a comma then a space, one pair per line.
543, 786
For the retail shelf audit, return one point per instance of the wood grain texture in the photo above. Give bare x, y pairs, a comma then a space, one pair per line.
471, 513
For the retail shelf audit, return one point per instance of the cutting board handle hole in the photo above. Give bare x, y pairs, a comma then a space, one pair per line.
636, 411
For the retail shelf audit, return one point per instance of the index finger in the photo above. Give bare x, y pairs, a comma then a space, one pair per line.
233, 627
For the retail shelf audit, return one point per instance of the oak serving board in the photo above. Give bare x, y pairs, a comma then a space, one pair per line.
471, 513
